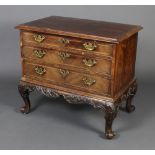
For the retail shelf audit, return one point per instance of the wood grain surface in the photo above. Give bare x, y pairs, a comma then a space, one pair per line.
74, 61
53, 41
82, 28
73, 79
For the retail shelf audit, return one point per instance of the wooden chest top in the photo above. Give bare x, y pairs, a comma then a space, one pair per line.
82, 28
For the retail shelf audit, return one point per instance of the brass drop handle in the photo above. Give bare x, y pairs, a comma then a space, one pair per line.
90, 46
39, 38
64, 73
63, 41
63, 55
89, 62
88, 81
39, 53
40, 70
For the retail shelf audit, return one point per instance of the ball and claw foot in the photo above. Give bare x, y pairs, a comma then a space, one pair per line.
25, 110
110, 134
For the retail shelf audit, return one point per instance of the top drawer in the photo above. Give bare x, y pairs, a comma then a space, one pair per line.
68, 43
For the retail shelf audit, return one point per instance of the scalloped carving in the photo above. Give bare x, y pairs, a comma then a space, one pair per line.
78, 99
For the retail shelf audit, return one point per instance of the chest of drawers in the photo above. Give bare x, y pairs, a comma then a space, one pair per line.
84, 61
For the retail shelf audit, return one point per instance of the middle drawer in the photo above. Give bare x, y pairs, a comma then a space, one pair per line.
46, 56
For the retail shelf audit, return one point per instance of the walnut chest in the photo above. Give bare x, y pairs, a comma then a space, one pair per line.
85, 61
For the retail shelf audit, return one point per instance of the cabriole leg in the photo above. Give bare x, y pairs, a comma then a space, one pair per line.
110, 115
128, 97
129, 106
25, 92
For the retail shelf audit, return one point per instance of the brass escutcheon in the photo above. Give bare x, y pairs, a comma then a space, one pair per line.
39, 53
63, 73
89, 62
39, 38
63, 41
90, 46
40, 70
63, 55
88, 81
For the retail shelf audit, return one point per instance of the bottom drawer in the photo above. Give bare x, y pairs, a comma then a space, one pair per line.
67, 78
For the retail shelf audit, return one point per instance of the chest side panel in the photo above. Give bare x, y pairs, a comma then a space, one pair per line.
125, 63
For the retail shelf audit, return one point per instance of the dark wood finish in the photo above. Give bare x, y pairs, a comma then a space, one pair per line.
79, 98
84, 61
128, 106
109, 118
25, 92
73, 79
82, 28
75, 45
75, 61
125, 63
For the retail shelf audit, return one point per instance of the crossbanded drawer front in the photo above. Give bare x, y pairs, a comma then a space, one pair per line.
66, 78
58, 42
90, 64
